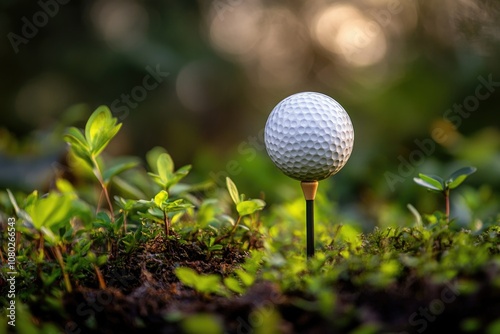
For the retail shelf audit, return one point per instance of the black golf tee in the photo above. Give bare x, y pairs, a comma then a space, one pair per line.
309, 188
310, 227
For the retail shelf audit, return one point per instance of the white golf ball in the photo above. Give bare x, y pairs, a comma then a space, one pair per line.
309, 136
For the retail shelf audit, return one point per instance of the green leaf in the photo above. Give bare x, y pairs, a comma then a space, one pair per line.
49, 210
165, 166
179, 175
233, 191
216, 247
92, 257
65, 187
459, 176
177, 205
118, 169
85, 246
201, 283
245, 277
432, 176
161, 198
152, 158
102, 219
126, 187
211, 241
100, 129
201, 323
78, 144
435, 181
425, 184
208, 283
166, 177
187, 276
207, 212
232, 284
125, 204
253, 263
248, 207
76, 136
101, 260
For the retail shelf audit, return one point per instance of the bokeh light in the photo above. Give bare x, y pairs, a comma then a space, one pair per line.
122, 24
343, 30
236, 31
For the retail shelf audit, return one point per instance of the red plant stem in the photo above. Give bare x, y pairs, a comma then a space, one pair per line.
447, 200
100, 278
104, 187
40, 242
167, 223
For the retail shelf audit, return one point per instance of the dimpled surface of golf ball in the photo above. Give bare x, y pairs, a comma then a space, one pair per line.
309, 136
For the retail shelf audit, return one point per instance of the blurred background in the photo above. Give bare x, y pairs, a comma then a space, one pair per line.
420, 80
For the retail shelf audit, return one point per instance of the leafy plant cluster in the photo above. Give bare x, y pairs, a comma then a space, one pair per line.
392, 272
67, 235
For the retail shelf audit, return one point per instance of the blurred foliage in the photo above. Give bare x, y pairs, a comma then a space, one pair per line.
200, 77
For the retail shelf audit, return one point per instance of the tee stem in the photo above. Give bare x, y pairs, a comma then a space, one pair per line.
309, 189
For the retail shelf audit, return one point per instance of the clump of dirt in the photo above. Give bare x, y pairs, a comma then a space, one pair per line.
157, 259
143, 290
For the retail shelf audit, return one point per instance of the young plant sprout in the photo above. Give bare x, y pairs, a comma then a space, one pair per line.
437, 184
160, 206
309, 137
88, 145
244, 207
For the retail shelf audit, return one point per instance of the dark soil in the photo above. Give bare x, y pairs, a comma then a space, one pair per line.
143, 295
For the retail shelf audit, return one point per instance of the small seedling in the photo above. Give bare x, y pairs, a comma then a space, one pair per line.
437, 184
160, 206
88, 145
244, 207
47, 215
163, 172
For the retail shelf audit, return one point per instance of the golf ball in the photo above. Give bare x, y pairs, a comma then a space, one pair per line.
309, 136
